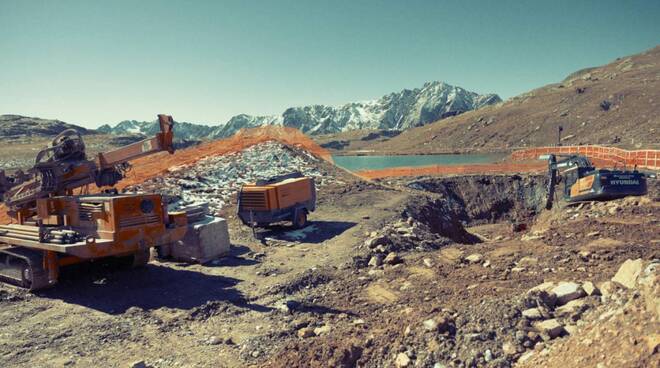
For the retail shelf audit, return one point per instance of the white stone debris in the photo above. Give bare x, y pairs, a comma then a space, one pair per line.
216, 179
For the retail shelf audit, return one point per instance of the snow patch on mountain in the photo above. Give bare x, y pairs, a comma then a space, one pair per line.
396, 111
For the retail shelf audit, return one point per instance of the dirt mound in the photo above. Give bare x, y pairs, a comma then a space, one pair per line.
613, 104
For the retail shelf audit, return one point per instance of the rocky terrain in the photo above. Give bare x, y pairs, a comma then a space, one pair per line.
614, 104
458, 271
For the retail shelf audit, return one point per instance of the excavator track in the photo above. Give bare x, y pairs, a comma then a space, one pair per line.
23, 267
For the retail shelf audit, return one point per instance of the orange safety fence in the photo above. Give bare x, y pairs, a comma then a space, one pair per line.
609, 156
494, 168
155, 165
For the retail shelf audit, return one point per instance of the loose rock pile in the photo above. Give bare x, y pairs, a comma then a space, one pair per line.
558, 309
381, 246
217, 179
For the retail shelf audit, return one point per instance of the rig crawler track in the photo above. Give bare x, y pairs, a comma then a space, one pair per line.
23, 267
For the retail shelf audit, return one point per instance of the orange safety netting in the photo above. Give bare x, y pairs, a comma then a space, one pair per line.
610, 156
152, 166
158, 164
496, 168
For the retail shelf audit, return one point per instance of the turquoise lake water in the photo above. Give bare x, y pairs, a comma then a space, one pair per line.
356, 163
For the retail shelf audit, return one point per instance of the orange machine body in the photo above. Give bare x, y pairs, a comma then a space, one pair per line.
279, 200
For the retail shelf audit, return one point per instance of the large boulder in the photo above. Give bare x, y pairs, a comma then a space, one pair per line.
628, 273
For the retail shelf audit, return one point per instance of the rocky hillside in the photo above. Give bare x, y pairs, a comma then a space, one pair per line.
17, 126
618, 103
396, 111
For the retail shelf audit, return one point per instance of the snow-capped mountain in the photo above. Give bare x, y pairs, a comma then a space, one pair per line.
184, 131
396, 111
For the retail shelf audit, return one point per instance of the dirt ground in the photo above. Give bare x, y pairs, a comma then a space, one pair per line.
309, 298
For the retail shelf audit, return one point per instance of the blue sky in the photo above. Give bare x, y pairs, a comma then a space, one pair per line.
93, 62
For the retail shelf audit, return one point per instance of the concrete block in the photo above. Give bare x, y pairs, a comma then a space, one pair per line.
205, 240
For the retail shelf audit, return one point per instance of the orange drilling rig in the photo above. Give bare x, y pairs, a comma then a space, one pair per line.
52, 227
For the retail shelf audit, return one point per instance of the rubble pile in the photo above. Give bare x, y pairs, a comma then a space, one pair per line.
381, 246
216, 179
591, 312
531, 327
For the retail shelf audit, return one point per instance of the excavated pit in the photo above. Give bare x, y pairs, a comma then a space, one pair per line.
446, 205
480, 199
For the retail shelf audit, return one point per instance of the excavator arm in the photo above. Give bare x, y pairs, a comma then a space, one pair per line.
68, 168
161, 142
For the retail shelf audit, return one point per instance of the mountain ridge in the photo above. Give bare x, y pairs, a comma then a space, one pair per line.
395, 111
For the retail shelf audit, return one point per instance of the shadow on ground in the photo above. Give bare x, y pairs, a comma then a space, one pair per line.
315, 232
112, 288
235, 258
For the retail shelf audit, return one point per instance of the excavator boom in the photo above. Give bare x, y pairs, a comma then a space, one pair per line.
161, 142
64, 167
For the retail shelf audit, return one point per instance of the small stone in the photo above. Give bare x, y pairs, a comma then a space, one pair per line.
593, 233
138, 364
214, 340
430, 325
392, 259
590, 288
528, 261
628, 273
306, 332
518, 269
541, 296
322, 330
567, 291
376, 260
573, 309
375, 241
402, 360
474, 258
428, 262
488, 355
584, 255
550, 328
532, 314
486, 264
509, 349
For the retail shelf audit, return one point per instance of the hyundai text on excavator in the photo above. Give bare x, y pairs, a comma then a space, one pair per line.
584, 182
52, 227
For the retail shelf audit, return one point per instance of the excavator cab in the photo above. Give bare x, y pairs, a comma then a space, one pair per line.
584, 182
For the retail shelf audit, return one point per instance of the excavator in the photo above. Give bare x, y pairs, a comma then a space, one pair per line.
584, 182
53, 227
